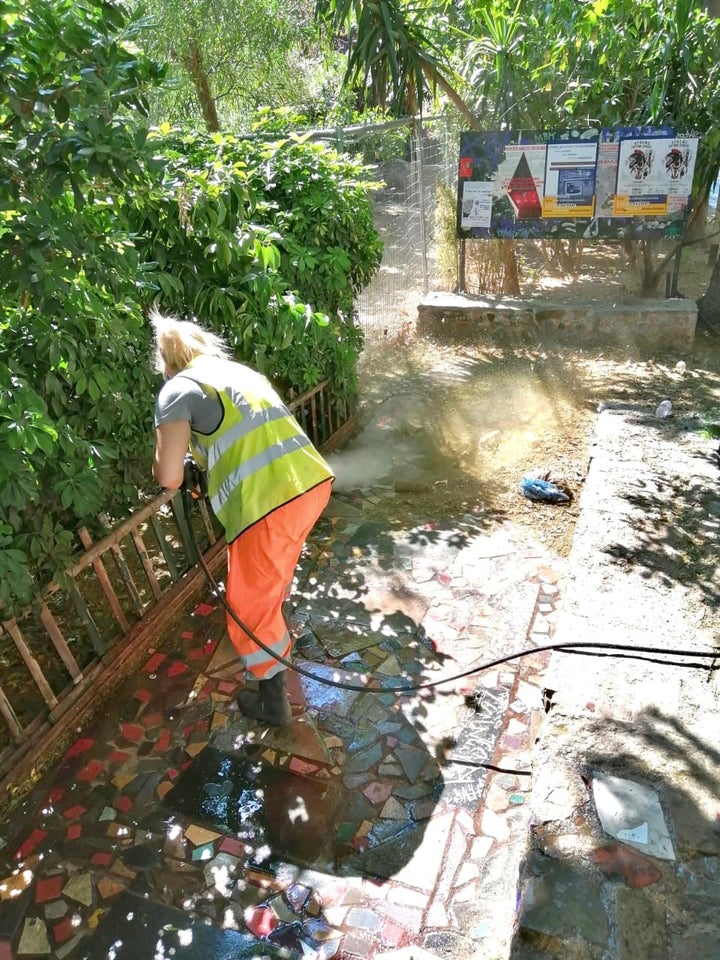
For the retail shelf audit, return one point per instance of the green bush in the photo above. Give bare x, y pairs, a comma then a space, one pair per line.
74, 379
269, 244
99, 218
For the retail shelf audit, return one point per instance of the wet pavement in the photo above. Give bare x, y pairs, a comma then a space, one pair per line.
377, 822
393, 825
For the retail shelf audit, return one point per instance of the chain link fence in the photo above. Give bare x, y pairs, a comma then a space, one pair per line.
416, 159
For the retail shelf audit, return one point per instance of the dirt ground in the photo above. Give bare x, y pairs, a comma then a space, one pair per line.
472, 419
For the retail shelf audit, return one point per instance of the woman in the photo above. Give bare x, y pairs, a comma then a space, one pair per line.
266, 482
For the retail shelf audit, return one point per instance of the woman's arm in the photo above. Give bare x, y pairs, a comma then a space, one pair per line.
172, 440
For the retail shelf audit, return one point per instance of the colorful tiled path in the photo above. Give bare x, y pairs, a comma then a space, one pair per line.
375, 823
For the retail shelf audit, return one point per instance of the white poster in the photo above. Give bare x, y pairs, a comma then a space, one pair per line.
476, 204
654, 176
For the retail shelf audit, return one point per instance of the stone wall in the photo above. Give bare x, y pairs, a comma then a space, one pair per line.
657, 322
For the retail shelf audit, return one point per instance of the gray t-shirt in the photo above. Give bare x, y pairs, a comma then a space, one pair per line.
181, 398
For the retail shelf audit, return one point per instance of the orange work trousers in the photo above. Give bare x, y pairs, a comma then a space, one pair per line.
261, 566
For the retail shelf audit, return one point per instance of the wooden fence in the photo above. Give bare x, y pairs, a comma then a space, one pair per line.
95, 624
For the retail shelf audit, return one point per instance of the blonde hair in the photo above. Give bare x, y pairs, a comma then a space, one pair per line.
177, 342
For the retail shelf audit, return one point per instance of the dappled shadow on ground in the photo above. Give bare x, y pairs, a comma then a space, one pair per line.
674, 534
590, 895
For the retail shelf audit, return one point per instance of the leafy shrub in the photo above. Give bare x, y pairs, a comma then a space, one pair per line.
74, 377
98, 219
268, 243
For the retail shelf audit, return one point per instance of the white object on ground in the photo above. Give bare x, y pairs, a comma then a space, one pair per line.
631, 812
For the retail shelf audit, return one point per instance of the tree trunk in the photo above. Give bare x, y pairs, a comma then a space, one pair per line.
648, 277
695, 228
709, 303
511, 278
192, 60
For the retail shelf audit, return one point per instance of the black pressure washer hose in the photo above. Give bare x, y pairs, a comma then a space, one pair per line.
588, 648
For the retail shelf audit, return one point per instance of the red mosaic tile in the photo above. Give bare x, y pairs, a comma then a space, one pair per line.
73, 831
187, 634
163, 741
57, 793
302, 766
176, 669
27, 847
226, 686
144, 696
260, 921
172, 773
119, 756
91, 771
80, 746
5, 950
202, 726
232, 846
63, 930
123, 804
210, 647
408, 917
74, 812
392, 935
203, 610
133, 732
152, 720
332, 894
617, 860
187, 730
196, 655
154, 662
101, 859
49, 888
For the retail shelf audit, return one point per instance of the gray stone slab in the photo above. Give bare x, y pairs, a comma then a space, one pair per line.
565, 901
695, 944
641, 926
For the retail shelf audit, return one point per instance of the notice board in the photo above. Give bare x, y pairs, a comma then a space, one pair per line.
610, 183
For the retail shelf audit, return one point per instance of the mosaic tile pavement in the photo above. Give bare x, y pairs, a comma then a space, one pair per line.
370, 828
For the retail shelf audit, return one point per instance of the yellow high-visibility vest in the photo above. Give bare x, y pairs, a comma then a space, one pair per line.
259, 457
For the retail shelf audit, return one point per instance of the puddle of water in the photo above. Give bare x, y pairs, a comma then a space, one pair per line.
136, 928
275, 812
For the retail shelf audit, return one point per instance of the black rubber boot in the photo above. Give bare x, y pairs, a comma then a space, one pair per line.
270, 704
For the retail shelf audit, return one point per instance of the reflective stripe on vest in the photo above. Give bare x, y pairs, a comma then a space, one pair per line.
259, 457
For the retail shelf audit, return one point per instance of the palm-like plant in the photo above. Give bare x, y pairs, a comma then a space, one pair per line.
395, 59
496, 65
